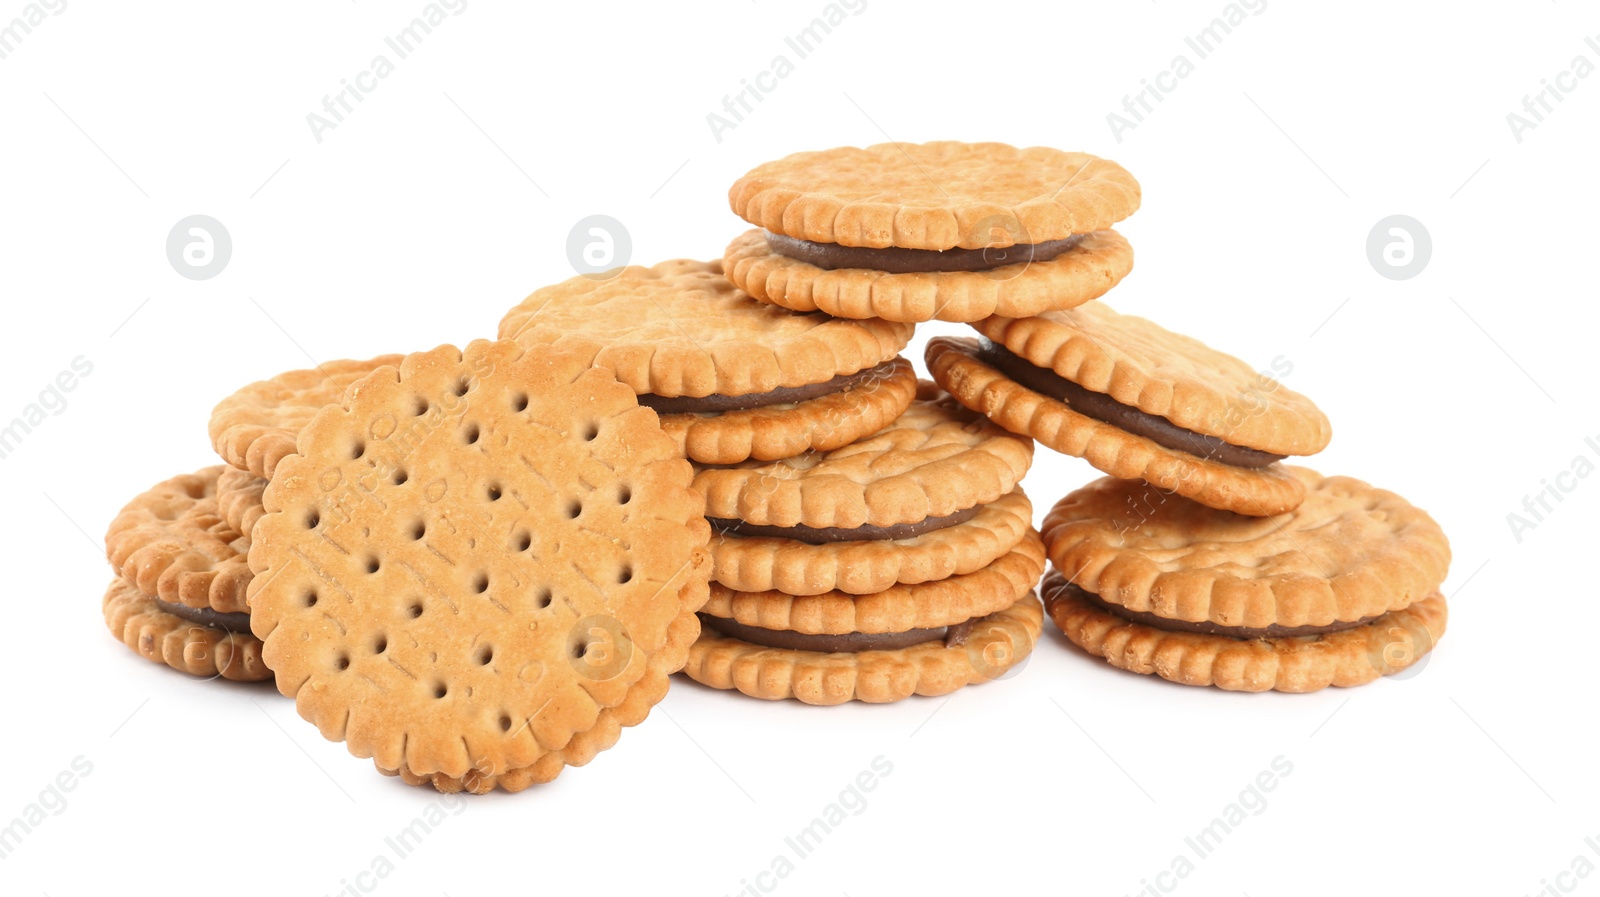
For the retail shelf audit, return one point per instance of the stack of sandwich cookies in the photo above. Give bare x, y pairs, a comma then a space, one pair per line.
732, 378
902, 564
1341, 591
1138, 402
480, 566
947, 230
179, 598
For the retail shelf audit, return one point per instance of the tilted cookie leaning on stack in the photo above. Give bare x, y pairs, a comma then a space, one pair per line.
916, 232
1138, 401
903, 563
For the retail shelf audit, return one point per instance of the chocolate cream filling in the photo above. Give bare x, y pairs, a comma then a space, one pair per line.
1206, 627
895, 260
205, 616
1105, 409
849, 643
822, 535
784, 395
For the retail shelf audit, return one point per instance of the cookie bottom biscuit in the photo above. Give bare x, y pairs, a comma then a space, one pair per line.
997, 644
1083, 273
763, 563
1387, 645
1261, 492
784, 431
156, 634
584, 746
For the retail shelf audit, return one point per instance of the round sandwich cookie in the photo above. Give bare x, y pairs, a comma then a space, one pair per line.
254, 428
182, 575
1340, 591
927, 639
481, 565
731, 378
936, 461
947, 230
1138, 402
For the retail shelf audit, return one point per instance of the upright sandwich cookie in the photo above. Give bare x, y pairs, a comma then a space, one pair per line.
180, 594
256, 427
732, 378
1138, 402
1339, 592
901, 564
480, 566
947, 230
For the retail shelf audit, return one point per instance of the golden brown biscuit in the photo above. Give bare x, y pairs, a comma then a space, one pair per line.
1139, 363
760, 563
1350, 551
1391, 643
996, 645
732, 378
474, 562
171, 543
934, 196
956, 366
934, 460
781, 431
680, 328
156, 633
239, 498
943, 602
254, 428
1087, 272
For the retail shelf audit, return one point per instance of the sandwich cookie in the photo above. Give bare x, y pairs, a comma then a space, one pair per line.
932, 495
927, 639
182, 576
950, 231
731, 378
254, 428
901, 564
481, 565
1340, 591
1138, 402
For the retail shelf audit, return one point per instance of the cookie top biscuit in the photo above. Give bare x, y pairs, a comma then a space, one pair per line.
1141, 364
937, 459
172, 543
1349, 551
254, 428
475, 558
941, 195
680, 328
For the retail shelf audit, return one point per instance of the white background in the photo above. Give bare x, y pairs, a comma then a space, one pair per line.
447, 196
